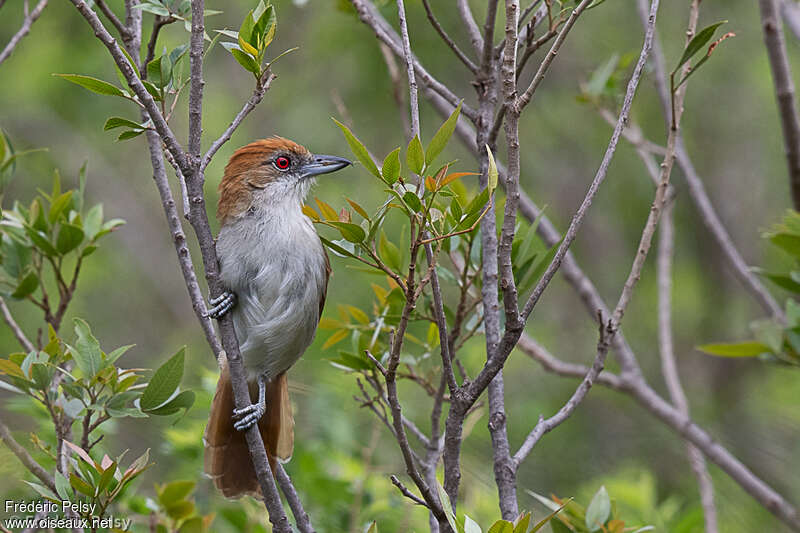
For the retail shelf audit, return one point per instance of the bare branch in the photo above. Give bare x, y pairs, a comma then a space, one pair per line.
25, 458
28, 21
412, 80
407, 493
470, 25
545, 426
784, 91
700, 197
446, 38
18, 333
372, 18
669, 368
262, 86
112, 17
639, 390
551, 55
301, 518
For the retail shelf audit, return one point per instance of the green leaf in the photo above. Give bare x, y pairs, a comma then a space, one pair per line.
391, 166
42, 490
175, 491
70, 237
93, 222
470, 526
373, 528
87, 353
502, 526
119, 122
359, 150
93, 84
155, 9
521, 524
698, 42
350, 361
25, 287
184, 400
41, 241
415, 155
130, 134
62, 486
164, 382
442, 136
337, 249
59, 204
788, 242
599, 510
116, 354
244, 59
492, 183
448, 509
781, 280
351, 232
738, 349
413, 201
555, 525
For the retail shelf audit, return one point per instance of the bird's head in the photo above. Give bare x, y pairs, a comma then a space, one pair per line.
270, 170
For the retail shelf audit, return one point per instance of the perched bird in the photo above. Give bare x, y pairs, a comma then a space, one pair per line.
276, 274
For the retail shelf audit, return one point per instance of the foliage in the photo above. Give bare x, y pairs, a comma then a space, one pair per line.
774, 341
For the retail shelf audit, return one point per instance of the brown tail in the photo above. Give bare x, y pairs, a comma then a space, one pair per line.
227, 458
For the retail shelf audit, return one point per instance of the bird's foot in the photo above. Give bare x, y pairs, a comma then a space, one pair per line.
221, 305
248, 416
251, 414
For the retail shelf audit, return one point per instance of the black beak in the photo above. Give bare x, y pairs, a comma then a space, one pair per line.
324, 164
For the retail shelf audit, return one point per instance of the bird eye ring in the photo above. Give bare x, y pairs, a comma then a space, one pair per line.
282, 163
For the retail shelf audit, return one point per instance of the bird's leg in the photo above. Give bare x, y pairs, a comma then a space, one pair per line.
247, 416
221, 304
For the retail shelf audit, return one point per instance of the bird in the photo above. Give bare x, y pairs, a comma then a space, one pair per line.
275, 271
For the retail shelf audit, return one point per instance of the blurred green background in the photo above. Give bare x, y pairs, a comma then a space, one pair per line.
132, 292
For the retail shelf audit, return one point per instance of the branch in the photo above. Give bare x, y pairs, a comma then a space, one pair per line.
512, 335
372, 18
446, 38
669, 368
699, 196
545, 426
791, 16
262, 86
27, 22
287, 487
551, 55
470, 25
18, 333
412, 80
407, 493
112, 17
639, 390
179, 241
784, 92
25, 458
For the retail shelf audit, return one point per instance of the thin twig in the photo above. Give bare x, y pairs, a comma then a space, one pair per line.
28, 21
18, 333
302, 520
262, 86
407, 493
544, 426
112, 17
447, 39
784, 91
25, 458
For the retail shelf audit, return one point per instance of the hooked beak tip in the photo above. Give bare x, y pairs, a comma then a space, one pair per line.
325, 164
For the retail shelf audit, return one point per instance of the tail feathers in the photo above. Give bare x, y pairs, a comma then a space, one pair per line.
227, 458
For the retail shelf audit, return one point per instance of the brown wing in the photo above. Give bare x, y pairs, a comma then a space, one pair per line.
327, 277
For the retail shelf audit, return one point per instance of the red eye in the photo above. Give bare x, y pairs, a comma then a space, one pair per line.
282, 162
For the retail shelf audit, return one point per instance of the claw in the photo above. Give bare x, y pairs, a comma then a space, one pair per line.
221, 305
249, 415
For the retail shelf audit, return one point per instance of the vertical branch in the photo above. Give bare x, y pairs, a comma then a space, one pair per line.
669, 368
784, 92
412, 80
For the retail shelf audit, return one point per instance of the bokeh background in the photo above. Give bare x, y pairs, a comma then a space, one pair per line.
131, 290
